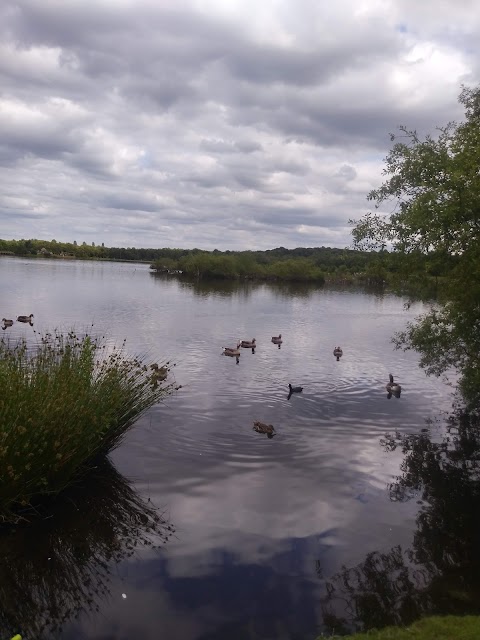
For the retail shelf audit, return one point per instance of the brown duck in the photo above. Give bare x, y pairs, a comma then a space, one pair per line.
261, 427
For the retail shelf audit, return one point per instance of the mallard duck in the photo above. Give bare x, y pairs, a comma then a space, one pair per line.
248, 344
277, 339
393, 387
261, 427
25, 318
338, 353
232, 351
295, 389
6, 322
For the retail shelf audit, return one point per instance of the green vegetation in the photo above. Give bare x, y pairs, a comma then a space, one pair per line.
246, 265
436, 628
316, 265
321, 264
64, 404
434, 232
303, 264
53, 249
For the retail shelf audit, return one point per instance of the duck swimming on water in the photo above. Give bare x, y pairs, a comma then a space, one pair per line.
393, 388
338, 353
25, 318
261, 427
295, 389
232, 351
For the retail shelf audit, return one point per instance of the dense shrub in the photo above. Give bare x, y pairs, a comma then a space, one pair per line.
64, 402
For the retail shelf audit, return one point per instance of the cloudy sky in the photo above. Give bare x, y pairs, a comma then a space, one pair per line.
216, 123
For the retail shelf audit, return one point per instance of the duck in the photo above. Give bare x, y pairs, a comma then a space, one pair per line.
277, 339
25, 318
261, 427
7, 323
393, 388
232, 351
159, 373
338, 353
295, 389
248, 344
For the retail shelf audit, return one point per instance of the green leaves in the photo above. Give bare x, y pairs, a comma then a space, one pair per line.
433, 191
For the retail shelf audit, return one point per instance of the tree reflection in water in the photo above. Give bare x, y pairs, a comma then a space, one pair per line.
59, 565
440, 574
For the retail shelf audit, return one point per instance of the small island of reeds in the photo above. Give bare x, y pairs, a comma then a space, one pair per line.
66, 401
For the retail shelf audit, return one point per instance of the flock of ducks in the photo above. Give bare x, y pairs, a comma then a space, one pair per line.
235, 352
392, 387
160, 373
268, 429
9, 323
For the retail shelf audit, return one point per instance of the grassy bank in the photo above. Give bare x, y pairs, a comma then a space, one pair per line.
65, 401
435, 628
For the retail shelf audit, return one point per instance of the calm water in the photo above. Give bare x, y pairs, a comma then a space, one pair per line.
261, 525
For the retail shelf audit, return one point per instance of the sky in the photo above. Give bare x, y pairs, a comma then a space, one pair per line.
228, 124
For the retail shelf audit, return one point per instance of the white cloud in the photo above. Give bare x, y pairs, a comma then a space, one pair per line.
154, 124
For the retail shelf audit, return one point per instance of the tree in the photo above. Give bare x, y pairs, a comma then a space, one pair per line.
434, 184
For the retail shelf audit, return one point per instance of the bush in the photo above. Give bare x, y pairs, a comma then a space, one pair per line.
64, 403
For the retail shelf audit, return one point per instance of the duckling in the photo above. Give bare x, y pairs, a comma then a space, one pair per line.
393, 388
295, 389
248, 344
7, 323
338, 353
25, 318
261, 427
277, 339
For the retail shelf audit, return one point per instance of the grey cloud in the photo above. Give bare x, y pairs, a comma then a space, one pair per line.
27, 215
130, 202
223, 146
248, 180
285, 217
290, 166
40, 144
347, 172
248, 146
61, 23
217, 146
190, 122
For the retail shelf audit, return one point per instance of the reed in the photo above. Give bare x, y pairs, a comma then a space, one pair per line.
65, 402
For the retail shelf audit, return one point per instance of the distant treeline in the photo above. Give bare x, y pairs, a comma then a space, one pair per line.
317, 264
320, 264
54, 249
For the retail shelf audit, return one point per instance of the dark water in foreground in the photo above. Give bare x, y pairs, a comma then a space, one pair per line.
262, 526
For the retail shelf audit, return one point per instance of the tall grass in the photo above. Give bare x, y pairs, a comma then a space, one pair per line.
65, 402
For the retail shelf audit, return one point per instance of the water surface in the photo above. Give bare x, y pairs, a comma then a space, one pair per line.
260, 523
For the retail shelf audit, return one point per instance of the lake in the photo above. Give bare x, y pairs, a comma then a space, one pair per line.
262, 526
